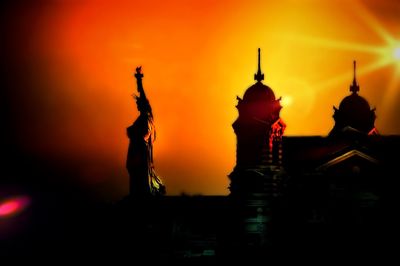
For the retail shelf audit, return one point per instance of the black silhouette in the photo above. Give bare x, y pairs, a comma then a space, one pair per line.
354, 115
307, 198
257, 176
256, 131
143, 178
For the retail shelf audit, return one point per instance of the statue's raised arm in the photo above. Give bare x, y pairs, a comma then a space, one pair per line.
139, 77
141, 101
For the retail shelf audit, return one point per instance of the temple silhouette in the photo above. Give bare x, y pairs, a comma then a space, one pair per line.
329, 196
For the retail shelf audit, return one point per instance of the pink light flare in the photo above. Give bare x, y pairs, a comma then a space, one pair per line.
13, 206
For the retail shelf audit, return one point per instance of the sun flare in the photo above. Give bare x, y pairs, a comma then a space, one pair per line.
396, 53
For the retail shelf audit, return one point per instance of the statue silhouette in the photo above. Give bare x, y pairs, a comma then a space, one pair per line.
143, 179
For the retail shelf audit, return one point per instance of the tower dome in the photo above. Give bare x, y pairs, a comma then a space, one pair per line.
257, 122
259, 92
354, 102
259, 101
354, 112
259, 131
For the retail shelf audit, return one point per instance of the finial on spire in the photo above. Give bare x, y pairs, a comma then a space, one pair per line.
259, 76
354, 88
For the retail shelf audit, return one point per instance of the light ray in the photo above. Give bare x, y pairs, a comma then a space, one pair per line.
370, 20
349, 46
346, 77
391, 53
391, 95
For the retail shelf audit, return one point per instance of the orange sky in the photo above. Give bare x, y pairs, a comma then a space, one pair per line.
196, 57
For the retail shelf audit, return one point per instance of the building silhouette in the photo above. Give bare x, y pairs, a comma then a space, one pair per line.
257, 176
308, 197
354, 113
311, 199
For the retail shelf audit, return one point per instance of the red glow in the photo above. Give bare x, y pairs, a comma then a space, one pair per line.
277, 130
13, 206
373, 131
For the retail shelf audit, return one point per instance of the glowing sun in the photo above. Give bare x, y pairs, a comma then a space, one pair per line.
396, 53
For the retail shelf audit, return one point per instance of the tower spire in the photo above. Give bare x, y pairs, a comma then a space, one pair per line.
259, 76
354, 88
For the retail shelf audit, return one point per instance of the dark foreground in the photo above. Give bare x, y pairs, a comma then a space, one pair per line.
198, 230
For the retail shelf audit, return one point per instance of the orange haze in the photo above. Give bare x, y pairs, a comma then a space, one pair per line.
196, 57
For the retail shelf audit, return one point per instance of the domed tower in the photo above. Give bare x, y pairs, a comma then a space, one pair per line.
258, 130
354, 114
256, 179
